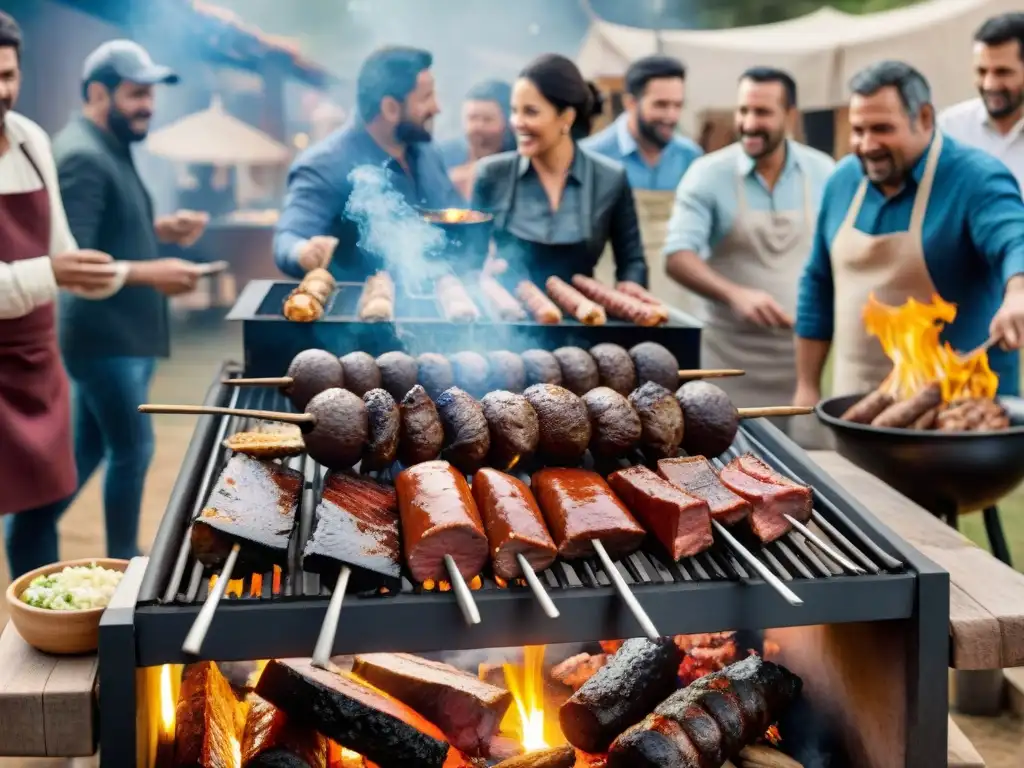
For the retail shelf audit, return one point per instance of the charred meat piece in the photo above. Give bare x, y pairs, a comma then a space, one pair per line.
614, 367
655, 363
422, 432
340, 431
312, 371
513, 426
710, 417
508, 371
615, 427
579, 507
466, 436
356, 525
576, 670
472, 372
696, 476
398, 373
541, 367
661, 419
352, 713
564, 423
361, 373
770, 503
384, 421
711, 720
681, 522
435, 373
253, 504
466, 709
204, 718
439, 517
272, 740
621, 693
513, 523
579, 371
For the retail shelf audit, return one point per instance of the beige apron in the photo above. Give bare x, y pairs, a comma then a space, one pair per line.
890, 266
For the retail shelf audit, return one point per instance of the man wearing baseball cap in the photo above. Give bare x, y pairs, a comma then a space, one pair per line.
110, 347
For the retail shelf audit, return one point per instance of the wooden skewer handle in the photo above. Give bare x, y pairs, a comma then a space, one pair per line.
216, 410
268, 381
689, 374
774, 410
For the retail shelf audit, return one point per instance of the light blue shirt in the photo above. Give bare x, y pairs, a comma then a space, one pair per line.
617, 143
706, 201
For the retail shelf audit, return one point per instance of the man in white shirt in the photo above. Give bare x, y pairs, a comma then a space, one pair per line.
994, 122
38, 255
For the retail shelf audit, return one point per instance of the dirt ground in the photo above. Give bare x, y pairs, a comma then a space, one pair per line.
185, 378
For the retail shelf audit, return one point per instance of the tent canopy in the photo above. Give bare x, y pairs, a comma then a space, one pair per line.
822, 50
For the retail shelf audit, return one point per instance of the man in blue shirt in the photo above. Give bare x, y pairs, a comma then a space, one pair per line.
396, 104
910, 214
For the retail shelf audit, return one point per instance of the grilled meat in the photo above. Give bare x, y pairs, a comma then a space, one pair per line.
615, 427
640, 674
576, 670
435, 373
614, 367
655, 363
770, 502
361, 373
253, 504
579, 371
681, 522
384, 421
574, 302
272, 740
377, 300
903, 413
710, 417
352, 713
340, 431
466, 709
312, 371
696, 476
204, 719
579, 507
502, 302
868, 407
541, 367
471, 371
268, 444
564, 423
422, 434
513, 427
513, 523
711, 720
398, 372
508, 372
302, 308
466, 436
661, 418
456, 304
542, 309
356, 525
439, 517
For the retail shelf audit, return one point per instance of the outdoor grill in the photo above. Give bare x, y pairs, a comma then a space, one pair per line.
872, 648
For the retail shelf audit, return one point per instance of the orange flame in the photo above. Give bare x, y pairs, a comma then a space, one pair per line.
773, 736
909, 334
526, 684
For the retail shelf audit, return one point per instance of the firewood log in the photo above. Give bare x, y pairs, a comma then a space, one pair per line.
559, 757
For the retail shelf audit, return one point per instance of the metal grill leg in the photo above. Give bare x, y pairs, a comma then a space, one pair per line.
996, 539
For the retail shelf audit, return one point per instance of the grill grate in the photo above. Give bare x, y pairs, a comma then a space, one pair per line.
792, 558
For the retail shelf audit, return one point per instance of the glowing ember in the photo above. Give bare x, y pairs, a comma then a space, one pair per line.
445, 586
236, 754
909, 334
166, 700
526, 684
773, 736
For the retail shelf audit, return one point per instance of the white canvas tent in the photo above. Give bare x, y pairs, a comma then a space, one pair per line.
822, 50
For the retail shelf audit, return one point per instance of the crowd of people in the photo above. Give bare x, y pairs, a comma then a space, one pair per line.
782, 244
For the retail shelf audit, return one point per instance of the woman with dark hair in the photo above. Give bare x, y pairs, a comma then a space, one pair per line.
555, 205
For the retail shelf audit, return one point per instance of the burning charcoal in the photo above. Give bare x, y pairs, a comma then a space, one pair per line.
466, 709
204, 718
272, 740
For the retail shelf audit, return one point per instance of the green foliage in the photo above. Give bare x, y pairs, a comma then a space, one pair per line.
720, 14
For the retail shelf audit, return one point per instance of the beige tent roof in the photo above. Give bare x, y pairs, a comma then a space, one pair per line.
215, 137
822, 50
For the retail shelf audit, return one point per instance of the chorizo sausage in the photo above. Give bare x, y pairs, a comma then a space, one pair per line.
543, 309
513, 523
439, 517
639, 292
903, 413
619, 304
868, 407
504, 303
574, 302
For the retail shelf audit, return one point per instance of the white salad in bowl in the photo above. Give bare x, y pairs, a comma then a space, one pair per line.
74, 588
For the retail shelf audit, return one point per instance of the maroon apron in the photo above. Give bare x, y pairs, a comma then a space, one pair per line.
38, 465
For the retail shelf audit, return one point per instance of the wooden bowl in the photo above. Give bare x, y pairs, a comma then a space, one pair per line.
59, 632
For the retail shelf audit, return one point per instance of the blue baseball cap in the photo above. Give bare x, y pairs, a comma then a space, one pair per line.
126, 60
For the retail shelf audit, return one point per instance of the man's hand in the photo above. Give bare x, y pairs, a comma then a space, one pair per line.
169, 276
183, 228
806, 396
760, 308
85, 270
316, 252
1008, 324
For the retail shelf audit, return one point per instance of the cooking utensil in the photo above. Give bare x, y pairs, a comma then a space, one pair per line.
468, 233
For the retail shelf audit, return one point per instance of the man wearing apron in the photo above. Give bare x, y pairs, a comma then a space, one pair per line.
37, 256
655, 157
911, 214
751, 208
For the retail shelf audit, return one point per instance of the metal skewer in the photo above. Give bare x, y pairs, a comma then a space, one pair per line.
820, 544
329, 629
538, 589
463, 595
201, 626
770, 578
624, 591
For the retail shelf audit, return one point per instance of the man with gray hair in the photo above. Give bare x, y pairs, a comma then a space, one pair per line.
910, 214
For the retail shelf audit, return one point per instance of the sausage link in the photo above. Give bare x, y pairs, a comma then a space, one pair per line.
927, 420
574, 302
543, 309
377, 301
639, 292
513, 523
903, 413
619, 304
502, 301
868, 407
455, 302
